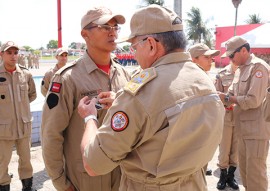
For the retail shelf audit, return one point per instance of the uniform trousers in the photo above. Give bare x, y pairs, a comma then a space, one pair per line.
252, 163
228, 147
25, 169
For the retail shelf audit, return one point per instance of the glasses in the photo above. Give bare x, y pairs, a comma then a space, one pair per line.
237, 50
106, 28
133, 49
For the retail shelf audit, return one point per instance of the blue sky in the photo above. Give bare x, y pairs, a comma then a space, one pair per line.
34, 22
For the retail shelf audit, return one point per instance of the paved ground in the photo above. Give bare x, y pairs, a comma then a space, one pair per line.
43, 183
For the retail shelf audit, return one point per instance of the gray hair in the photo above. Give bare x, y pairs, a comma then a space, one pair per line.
171, 40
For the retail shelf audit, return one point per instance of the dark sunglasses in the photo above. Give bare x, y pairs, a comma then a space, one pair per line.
237, 50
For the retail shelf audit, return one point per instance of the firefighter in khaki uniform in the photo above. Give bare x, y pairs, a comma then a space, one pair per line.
62, 127
17, 90
62, 58
160, 142
247, 93
227, 158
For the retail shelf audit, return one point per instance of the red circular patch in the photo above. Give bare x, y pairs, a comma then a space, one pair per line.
119, 121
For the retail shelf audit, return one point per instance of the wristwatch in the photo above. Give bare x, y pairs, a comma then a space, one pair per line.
227, 98
86, 119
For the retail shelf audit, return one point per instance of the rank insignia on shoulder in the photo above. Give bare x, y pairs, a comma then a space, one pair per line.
119, 121
56, 87
140, 80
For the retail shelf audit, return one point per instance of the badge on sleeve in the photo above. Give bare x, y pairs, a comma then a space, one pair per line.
56, 87
259, 74
119, 121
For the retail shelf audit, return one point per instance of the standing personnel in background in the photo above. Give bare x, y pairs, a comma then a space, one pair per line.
160, 142
227, 158
62, 127
202, 55
62, 58
17, 90
247, 93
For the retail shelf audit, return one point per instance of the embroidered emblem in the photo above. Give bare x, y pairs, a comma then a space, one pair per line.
259, 74
140, 79
56, 87
119, 121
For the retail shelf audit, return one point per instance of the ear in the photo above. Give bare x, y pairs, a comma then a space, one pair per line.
84, 34
152, 45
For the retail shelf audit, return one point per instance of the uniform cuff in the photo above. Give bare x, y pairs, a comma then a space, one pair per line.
98, 161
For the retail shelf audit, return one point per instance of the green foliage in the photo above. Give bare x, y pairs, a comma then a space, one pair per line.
254, 19
53, 44
73, 45
126, 48
196, 28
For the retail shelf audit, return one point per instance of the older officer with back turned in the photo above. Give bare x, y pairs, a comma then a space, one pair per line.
164, 126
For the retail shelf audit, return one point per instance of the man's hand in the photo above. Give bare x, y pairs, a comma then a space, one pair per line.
87, 107
106, 99
222, 96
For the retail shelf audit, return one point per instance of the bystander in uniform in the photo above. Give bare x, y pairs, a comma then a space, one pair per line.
62, 127
202, 55
30, 61
165, 125
247, 92
227, 158
17, 90
62, 58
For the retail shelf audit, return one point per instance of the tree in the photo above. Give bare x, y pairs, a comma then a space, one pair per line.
53, 44
73, 45
254, 19
196, 28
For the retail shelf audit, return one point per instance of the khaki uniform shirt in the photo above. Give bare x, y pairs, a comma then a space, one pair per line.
17, 90
47, 79
163, 127
63, 128
249, 85
223, 81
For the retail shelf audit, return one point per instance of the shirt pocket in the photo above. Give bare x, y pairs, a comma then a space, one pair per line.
4, 95
5, 128
249, 123
244, 84
23, 91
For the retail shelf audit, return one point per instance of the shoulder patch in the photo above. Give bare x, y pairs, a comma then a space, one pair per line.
139, 80
258, 74
52, 100
55, 87
119, 121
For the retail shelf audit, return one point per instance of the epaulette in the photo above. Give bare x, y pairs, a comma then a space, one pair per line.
139, 80
22, 67
67, 66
